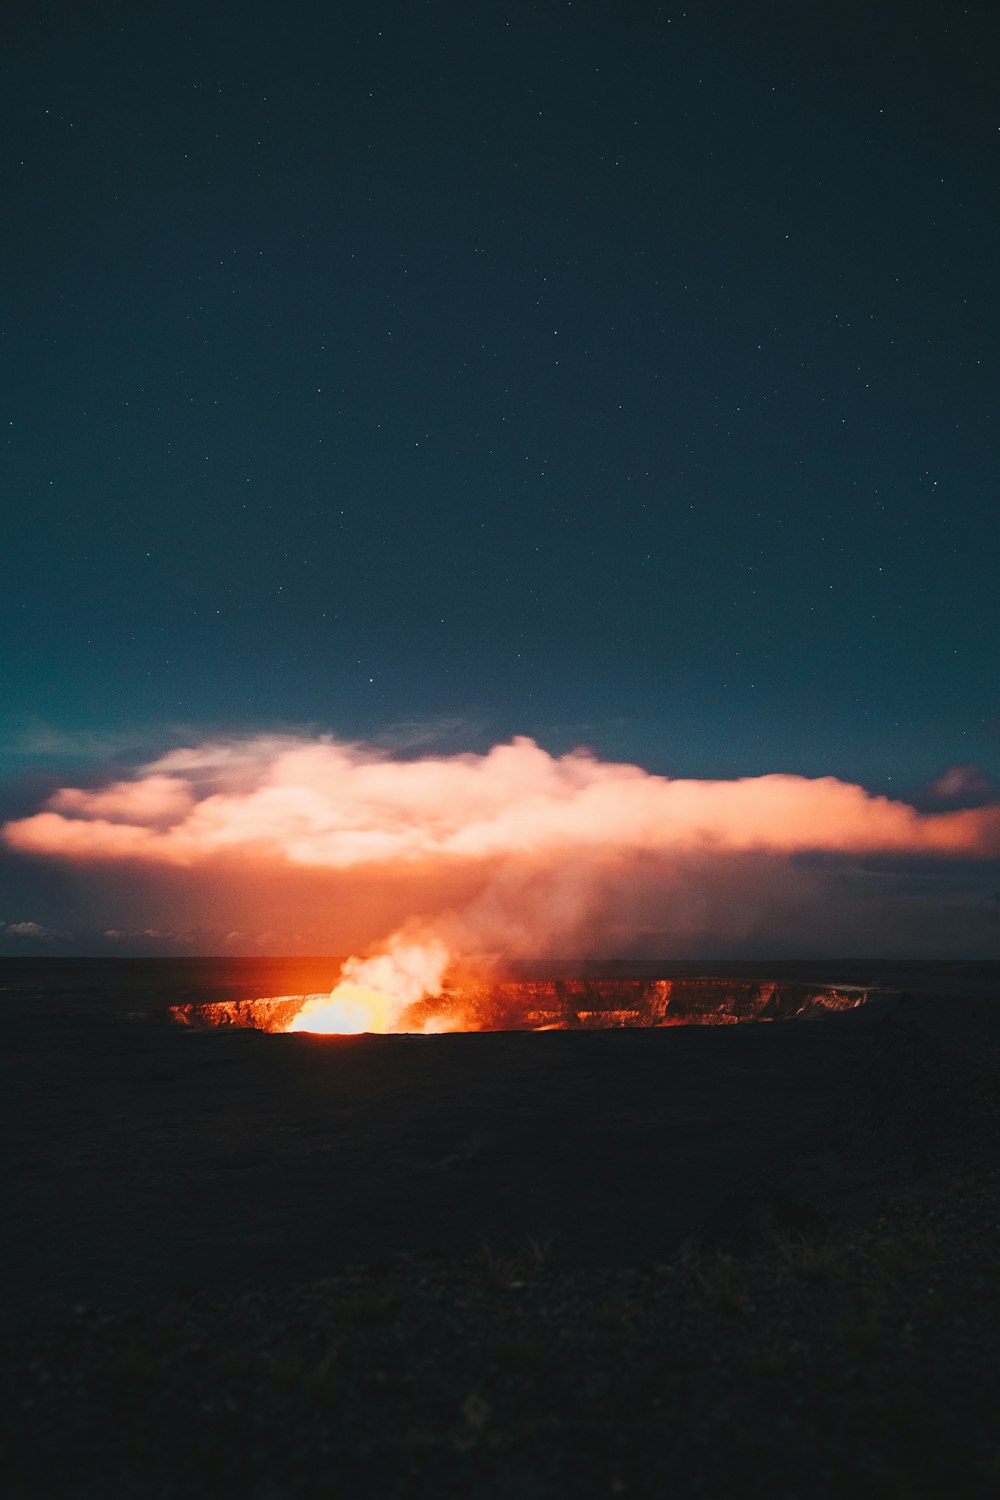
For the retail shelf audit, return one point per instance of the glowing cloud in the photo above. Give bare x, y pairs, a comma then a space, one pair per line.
309, 845
341, 806
323, 805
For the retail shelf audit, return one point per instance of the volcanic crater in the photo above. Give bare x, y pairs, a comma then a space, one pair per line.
571, 1004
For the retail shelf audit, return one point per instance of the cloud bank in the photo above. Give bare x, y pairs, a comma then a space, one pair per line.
335, 806
515, 848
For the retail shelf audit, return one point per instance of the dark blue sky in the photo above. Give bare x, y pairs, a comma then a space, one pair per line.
619, 374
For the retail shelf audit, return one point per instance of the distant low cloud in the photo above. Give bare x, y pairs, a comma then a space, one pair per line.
31, 739
29, 930
961, 784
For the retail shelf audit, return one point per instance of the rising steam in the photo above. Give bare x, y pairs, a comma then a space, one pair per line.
374, 993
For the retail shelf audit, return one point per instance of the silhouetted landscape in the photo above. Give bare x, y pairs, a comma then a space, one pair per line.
570, 1261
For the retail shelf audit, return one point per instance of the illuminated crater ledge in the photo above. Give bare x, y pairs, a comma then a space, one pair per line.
548, 1005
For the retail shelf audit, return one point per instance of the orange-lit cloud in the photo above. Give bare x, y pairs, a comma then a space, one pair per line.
324, 805
515, 850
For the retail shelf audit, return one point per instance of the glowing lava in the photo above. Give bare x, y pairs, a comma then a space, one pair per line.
375, 992
377, 995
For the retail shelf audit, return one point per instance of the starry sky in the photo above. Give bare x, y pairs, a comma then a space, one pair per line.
431, 373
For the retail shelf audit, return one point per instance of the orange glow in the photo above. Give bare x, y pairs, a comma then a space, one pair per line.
471, 1002
349, 1009
375, 992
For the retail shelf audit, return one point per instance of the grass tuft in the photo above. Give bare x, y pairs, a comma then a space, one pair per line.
724, 1283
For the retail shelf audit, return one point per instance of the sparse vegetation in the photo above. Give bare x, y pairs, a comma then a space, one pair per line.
865, 1358
810, 1260
499, 1271
540, 1249
723, 1280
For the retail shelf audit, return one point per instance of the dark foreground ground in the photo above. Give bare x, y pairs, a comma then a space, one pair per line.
755, 1260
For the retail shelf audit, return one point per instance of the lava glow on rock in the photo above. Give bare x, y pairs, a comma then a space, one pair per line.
407, 989
374, 993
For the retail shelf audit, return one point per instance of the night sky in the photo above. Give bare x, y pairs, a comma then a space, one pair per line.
429, 374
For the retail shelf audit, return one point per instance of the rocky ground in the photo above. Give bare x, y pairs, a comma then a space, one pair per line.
829, 1327
860, 1362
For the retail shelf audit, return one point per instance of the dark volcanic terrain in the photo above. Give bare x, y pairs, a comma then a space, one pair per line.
498, 1263
153, 1158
